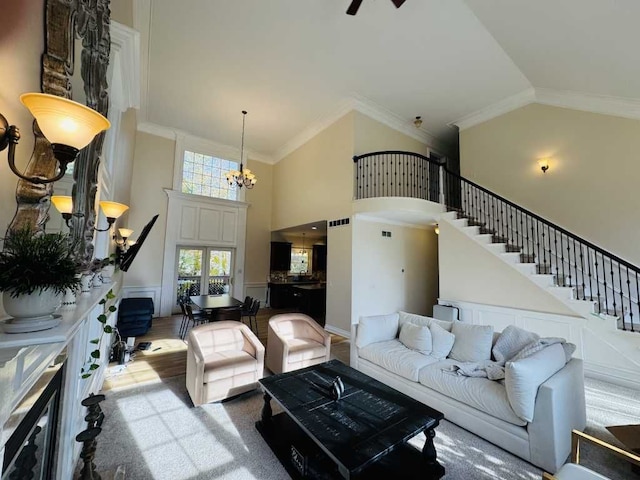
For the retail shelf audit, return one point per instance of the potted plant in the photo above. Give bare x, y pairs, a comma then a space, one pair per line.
35, 271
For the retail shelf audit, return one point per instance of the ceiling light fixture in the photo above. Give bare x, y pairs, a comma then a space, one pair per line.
243, 177
69, 126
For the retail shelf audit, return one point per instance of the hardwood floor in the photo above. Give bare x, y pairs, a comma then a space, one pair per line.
167, 356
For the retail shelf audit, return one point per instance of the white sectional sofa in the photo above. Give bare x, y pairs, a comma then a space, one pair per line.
529, 413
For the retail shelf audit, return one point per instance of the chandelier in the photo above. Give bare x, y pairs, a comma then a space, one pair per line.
243, 177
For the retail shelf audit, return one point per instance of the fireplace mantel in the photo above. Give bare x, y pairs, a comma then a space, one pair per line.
25, 357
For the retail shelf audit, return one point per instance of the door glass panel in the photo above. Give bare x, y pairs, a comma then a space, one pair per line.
219, 271
189, 272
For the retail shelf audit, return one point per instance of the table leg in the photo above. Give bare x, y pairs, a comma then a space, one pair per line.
266, 409
432, 468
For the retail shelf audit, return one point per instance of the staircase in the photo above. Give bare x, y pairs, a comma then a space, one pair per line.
592, 282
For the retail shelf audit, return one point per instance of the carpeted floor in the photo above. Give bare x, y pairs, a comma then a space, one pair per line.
155, 433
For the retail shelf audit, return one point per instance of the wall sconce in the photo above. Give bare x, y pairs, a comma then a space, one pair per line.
437, 229
64, 205
124, 234
543, 163
69, 126
113, 211
418, 121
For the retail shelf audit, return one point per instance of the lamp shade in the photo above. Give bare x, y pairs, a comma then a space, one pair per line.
113, 209
125, 232
64, 121
63, 204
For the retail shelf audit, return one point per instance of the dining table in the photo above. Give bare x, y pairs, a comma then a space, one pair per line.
215, 302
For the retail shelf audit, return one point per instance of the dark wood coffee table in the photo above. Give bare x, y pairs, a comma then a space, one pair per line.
362, 435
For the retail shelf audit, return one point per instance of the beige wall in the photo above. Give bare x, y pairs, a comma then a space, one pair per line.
372, 136
21, 47
393, 273
122, 11
315, 182
152, 173
591, 186
470, 273
259, 224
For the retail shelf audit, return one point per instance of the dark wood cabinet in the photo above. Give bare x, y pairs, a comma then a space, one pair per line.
280, 256
319, 258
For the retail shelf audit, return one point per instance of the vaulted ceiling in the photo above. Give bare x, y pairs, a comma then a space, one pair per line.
291, 63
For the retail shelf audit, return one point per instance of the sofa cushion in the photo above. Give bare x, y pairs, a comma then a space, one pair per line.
485, 395
510, 342
472, 343
441, 341
524, 376
227, 364
304, 349
416, 337
404, 317
378, 328
395, 357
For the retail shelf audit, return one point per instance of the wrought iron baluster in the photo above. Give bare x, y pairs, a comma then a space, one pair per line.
620, 293
613, 289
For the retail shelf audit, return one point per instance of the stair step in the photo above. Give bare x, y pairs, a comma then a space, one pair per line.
483, 238
526, 268
471, 230
450, 215
527, 258
499, 239
541, 268
497, 247
459, 222
544, 280
513, 248
484, 230
565, 293
511, 257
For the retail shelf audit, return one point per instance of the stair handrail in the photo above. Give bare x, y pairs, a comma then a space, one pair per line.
395, 152
544, 220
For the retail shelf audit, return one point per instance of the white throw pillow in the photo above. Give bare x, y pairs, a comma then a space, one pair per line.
473, 342
510, 342
416, 337
423, 320
378, 328
524, 376
441, 341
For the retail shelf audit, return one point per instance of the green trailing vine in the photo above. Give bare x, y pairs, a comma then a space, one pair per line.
93, 362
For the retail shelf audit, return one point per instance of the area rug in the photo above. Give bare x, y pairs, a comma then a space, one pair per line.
154, 432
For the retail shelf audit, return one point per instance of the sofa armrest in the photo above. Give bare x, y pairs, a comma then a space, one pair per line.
195, 371
560, 408
277, 350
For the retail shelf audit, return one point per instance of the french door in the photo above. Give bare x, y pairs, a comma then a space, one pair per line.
203, 271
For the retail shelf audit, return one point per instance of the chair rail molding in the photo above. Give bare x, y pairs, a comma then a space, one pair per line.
195, 220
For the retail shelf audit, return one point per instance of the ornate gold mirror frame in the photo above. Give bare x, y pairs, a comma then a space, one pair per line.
65, 21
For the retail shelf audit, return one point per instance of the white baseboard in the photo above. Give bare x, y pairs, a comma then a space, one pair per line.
152, 292
338, 331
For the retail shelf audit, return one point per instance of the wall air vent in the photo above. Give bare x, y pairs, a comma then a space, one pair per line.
339, 223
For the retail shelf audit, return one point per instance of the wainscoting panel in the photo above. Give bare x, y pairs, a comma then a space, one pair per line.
145, 292
608, 354
209, 225
258, 291
188, 223
229, 222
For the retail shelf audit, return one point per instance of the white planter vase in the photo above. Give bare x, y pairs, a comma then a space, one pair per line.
85, 283
31, 313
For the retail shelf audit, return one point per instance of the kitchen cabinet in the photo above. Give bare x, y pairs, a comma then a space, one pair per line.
319, 258
280, 256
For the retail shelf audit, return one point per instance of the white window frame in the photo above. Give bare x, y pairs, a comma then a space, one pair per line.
189, 143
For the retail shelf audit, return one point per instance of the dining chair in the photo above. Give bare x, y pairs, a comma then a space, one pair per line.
252, 313
193, 318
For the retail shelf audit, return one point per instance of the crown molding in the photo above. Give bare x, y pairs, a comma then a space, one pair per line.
377, 112
125, 44
589, 102
586, 102
205, 143
496, 109
372, 110
344, 107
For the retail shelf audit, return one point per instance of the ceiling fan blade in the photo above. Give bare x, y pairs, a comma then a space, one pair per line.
353, 8
398, 3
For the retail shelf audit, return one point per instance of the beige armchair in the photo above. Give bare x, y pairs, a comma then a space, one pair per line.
294, 341
223, 359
